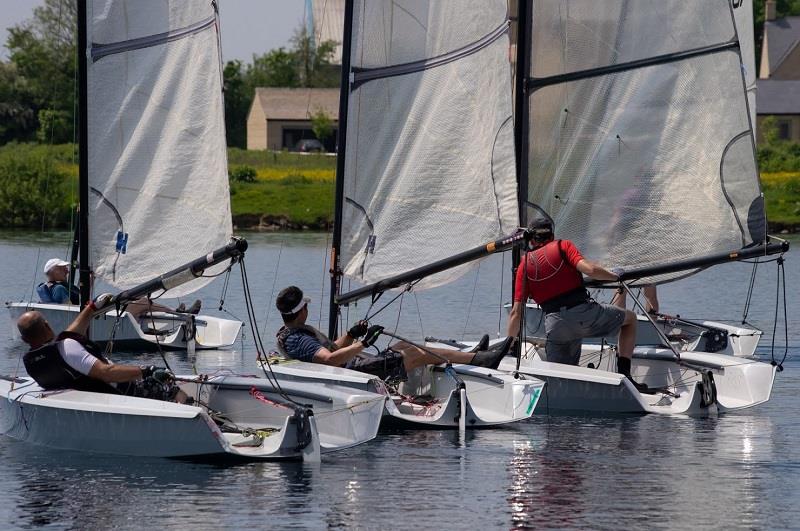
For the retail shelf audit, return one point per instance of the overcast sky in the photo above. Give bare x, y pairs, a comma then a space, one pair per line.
248, 26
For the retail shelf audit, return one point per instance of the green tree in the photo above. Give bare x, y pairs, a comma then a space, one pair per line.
276, 68
42, 51
321, 124
237, 103
313, 62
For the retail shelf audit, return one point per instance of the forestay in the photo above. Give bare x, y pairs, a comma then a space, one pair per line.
429, 168
157, 156
640, 142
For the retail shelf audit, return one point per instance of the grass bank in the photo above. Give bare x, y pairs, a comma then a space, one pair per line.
285, 190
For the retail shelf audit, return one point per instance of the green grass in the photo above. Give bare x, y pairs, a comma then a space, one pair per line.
270, 159
782, 197
300, 200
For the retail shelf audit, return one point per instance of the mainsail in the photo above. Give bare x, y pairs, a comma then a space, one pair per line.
157, 156
640, 145
429, 160
743, 13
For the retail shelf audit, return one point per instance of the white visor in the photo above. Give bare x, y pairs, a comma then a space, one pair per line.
299, 306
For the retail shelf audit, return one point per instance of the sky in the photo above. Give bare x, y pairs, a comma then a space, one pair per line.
247, 26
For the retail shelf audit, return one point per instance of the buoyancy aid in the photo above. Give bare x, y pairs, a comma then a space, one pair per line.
45, 292
549, 274
46, 365
286, 331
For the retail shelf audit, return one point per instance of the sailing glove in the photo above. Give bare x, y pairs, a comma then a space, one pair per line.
372, 335
618, 271
102, 301
159, 374
358, 330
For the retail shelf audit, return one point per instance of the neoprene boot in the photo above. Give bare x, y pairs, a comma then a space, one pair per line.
492, 358
483, 344
624, 368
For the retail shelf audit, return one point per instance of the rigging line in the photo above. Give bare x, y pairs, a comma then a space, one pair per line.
419, 314
749, 297
274, 282
502, 284
471, 300
408, 287
158, 341
780, 283
325, 256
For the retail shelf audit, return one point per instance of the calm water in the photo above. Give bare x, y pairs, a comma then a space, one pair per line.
735, 471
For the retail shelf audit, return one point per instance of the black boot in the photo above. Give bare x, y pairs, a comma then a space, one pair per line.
624, 368
492, 358
483, 344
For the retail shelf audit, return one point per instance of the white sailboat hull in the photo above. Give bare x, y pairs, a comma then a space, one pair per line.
164, 330
120, 425
595, 387
737, 341
492, 397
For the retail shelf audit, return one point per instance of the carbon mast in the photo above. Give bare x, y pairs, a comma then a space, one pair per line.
341, 144
83, 158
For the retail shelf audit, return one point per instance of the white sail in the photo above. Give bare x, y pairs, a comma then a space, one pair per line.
641, 147
429, 157
157, 157
743, 14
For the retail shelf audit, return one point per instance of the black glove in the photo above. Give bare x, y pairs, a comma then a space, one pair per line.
358, 329
159, 374
372, 335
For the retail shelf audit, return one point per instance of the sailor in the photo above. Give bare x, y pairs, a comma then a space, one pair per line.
71, 361
299, 341
57, 289
550, 274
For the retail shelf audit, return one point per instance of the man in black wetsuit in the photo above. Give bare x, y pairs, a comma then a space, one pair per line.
299, 341
71, 361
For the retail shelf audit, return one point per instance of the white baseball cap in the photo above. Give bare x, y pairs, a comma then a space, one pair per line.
54, 262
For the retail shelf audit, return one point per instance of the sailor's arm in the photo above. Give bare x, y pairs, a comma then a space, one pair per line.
115, 373
594, 270
81, 323
339, 356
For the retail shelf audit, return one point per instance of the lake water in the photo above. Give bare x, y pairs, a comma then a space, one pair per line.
734, 471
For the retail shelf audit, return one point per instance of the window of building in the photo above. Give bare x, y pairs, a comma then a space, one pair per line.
785, 129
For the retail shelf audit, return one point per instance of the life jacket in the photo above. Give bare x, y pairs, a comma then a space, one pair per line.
45, 292
286, 331
46, 365
549, 274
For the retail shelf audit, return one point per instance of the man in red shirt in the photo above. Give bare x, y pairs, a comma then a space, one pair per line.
551, 274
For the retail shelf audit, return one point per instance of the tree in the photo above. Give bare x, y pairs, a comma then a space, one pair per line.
276, 68
321, 124
313, 62
238, 97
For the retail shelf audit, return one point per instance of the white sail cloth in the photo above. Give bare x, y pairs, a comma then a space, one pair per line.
647, 164
429, 157
743, 14
157, 157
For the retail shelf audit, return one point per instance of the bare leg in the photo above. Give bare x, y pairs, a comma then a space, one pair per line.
627, 335
620, 298
414, 357
141, 306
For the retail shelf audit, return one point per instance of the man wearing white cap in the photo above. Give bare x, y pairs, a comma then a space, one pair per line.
57, 290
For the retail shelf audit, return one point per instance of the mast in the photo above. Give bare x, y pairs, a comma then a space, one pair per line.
83, 156
521, 111
344, 96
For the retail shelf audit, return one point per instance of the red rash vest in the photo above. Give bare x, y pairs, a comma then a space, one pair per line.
550, 271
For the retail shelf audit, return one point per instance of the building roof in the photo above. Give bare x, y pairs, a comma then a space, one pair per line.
297, 103
783, 36
778, 96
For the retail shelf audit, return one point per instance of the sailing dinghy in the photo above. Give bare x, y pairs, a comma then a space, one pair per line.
153, 164
425, 98
635, 136
229, 415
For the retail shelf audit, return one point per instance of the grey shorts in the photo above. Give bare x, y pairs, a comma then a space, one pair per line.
388, 366
566, 329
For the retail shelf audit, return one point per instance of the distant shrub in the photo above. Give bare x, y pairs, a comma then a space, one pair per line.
295, 179
34, 191
242, 173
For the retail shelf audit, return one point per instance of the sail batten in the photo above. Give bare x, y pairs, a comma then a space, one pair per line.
430, 168
157, 159
640, 142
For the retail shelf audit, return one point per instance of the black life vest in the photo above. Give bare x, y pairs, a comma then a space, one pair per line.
46, 365
285, 331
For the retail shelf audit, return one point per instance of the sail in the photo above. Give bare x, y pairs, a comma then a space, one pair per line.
640, 141
157, 156
429, 157
743, 14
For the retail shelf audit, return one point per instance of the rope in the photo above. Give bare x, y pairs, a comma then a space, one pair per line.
471, 300
274, 282
780, 286
749, 297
